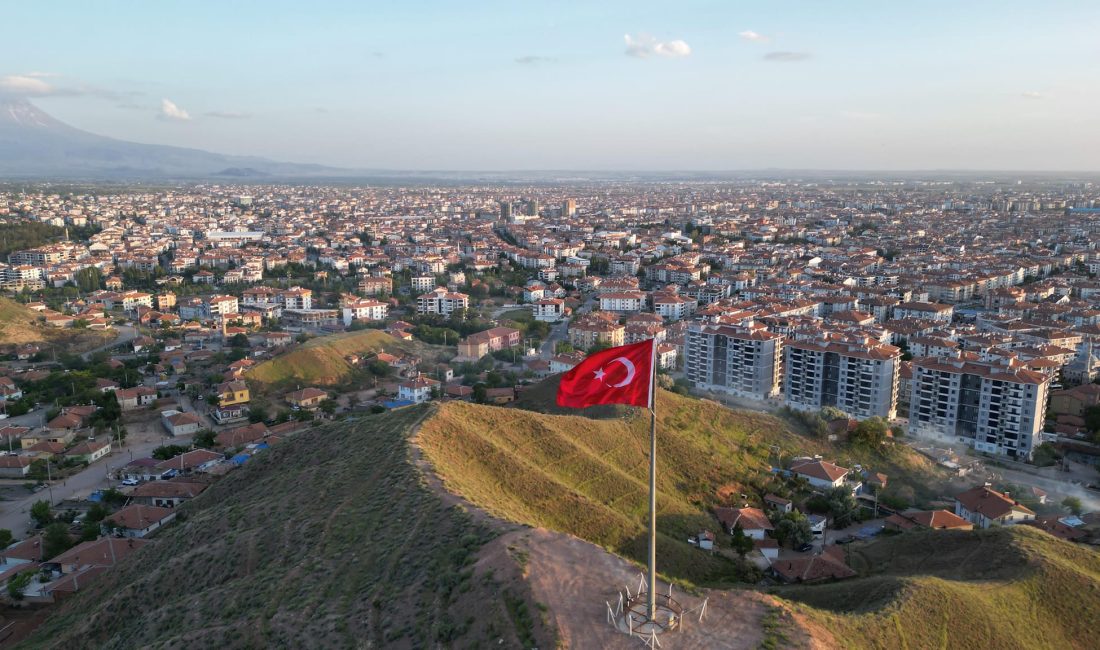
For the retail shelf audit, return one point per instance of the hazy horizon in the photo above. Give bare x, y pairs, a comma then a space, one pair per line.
619, 87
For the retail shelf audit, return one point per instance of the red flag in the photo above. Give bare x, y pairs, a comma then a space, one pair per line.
619, 375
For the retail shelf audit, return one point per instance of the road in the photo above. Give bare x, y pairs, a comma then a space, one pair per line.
15, 515
559, 332
126, 334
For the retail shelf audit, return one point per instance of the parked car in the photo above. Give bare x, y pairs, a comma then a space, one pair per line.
847, 539
805, 548
131, 481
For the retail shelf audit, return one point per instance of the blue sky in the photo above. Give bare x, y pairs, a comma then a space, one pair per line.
823, 84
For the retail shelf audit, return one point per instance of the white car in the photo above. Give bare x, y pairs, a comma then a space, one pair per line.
131, 481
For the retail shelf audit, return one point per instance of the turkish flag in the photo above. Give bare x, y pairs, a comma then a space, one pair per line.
619, 375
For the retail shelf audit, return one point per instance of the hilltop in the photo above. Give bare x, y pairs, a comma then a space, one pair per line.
19, 325
1014, 587
589, 477
328, 540
323, 360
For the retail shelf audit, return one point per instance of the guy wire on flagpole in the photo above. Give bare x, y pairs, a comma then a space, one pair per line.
652, 595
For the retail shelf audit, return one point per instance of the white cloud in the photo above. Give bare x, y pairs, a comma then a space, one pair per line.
169, 111
1031, 94
757, 37
21, 84
643, 46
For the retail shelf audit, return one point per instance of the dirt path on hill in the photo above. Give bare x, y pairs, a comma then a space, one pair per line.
570, 582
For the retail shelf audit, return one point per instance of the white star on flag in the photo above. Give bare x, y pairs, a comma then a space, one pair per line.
599, 374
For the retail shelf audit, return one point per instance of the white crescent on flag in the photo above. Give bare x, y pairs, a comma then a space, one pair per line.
629, 365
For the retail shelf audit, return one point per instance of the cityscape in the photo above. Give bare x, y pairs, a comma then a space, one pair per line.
550, 327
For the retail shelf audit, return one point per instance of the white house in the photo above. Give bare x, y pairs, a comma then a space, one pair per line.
416, 390
549, 310
370, 310
753, 521
819, 473
985, 507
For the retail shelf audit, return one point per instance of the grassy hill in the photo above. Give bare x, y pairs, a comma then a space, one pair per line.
329, 540
589, 477
18, 324
1000, 588
323, 361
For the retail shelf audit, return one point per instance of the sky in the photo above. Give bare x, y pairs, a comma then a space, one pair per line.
555, 84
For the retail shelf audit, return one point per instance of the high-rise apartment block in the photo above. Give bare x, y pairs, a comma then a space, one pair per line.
855, 374
744, 359
996, 407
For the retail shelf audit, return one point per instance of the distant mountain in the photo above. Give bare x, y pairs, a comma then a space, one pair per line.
35, 145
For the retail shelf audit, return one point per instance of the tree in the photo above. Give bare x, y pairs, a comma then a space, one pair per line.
328, 406
205, 439
741, 543
481, 393
5, 538
89, 530
165, 452
40, 513
842, 506
793, 529
870, 433
1073, 504
56, 540
18, 584
239, 340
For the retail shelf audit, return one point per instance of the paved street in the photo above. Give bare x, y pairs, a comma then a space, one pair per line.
125, 335
143, 438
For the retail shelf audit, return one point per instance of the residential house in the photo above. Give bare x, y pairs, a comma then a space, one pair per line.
231, 393
829, 565
985, 507
130, 399
416, 390
820, 474
139, 520
90, 450
308, 398
180, 424
933, 519
753, 521
166, 494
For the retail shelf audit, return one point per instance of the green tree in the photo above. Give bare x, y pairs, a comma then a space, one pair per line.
89, 530
480, 393
328, 406
17, 585
56, 540
40, 513
870, 433
5, 538
741, 543
1092, 418
164, 452
842, 506
205, 439
793, 529
1073, 504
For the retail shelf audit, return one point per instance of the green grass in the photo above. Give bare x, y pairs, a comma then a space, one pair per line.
1000, 588
590, 477
323, 360
329, 540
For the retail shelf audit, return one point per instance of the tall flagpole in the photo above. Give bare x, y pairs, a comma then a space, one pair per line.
652, 596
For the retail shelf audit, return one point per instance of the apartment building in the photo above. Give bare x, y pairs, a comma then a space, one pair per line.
296, 298
442, 302
549, 310
593, 329
622, 301
370, 310
856, 374
993, 406
674, 307
744, 360
924, 311
479, 344
375, 286
221, 306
